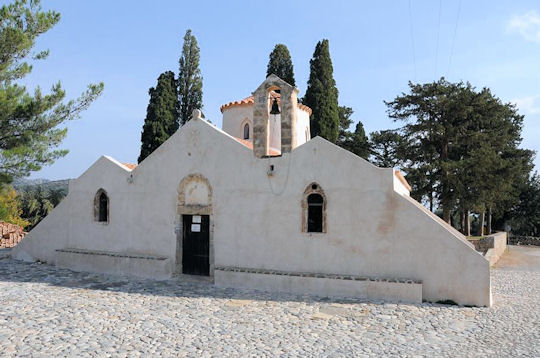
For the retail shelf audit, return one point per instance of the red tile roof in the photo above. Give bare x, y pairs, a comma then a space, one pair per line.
130, 166
250, 100
249, 144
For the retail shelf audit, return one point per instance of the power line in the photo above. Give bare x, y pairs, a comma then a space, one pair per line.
454, 39
438, 34
412, 39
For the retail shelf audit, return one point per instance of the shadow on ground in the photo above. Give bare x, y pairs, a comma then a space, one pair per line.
516, 258
182, 286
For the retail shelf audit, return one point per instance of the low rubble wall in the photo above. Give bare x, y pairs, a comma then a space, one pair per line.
10, 235
523, 240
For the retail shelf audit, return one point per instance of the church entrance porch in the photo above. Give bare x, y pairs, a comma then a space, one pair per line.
196, 244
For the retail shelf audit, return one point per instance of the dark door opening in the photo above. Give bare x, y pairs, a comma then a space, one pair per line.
196, 245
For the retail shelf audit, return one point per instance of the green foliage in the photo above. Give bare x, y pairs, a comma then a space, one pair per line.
345, 113
37, 201
356, 142
385, 147
459, 146
10, 210
29, 124
280, 64
322, 95
189, 79
161, 114
525, 215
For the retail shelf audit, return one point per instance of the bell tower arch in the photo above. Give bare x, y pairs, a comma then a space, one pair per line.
261, 115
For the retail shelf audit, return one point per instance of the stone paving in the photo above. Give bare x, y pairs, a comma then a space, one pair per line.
46, 311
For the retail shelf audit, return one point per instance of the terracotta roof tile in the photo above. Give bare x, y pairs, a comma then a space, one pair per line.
130, 166
250, 100
249, 144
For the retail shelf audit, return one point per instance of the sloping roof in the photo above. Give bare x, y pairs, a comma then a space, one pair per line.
250, 100
249, 144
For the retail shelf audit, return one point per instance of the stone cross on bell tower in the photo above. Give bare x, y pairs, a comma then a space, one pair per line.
261, 115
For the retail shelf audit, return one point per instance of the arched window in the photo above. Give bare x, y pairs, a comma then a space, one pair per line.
315, 213
314, 209
246, 131
101, 207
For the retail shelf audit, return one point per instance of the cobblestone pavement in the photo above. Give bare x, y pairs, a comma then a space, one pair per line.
47, 311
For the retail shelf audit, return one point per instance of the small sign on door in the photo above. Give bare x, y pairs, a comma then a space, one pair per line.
196, 219
195, 227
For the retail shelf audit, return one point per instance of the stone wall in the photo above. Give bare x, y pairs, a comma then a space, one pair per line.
289, 104
492, 247
482, 245
524, 240
10, 235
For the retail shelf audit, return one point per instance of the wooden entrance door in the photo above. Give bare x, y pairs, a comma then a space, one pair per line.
196, 245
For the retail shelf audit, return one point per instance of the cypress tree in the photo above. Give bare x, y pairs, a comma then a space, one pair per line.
189, 78
280, 64
161, 114
322, 94
359, 143
356, 142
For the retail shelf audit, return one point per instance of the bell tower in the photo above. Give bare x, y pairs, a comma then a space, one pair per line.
266, 105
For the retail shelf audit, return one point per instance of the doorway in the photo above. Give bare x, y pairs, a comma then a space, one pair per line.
196, 244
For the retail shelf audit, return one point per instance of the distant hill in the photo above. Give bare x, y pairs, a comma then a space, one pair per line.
38, 197
22, 184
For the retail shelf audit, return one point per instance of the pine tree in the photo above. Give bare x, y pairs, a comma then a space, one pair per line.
359, 142
31, 125
161, 114
280, 64
189, 79
460, 147
322, 95
525, 215
385, 146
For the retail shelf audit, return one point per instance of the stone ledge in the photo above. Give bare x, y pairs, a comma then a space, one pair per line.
112, 254
315, 275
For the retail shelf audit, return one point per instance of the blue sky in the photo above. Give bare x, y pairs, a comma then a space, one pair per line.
376, 48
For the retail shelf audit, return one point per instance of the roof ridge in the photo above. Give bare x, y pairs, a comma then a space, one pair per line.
250, 100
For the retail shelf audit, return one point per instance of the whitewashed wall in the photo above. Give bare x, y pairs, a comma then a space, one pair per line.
371, 229
303, 133
235, 117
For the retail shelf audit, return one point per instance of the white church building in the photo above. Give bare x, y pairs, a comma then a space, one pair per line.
260, 205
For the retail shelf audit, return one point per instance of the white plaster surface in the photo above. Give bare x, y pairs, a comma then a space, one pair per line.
499, 247
124, 266
236, 116
322, 286
371, 229
399, 187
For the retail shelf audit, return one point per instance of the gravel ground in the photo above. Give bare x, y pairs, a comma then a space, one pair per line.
47, 311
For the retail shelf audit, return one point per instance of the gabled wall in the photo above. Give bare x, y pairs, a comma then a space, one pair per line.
256, 220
